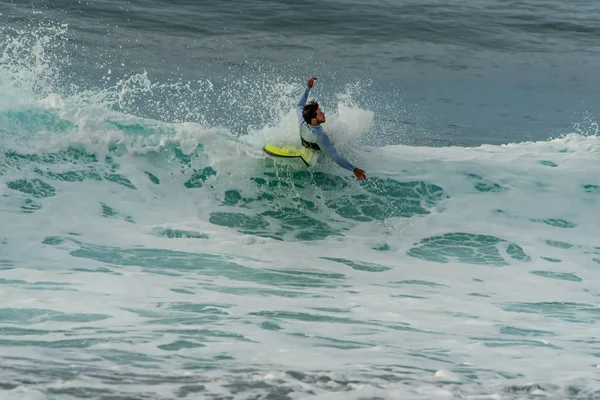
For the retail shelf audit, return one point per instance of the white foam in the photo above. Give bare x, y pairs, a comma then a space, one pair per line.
451, 315
455, 319
446, 375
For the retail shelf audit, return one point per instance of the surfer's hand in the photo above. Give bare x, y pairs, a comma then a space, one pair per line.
360, 174
311, 82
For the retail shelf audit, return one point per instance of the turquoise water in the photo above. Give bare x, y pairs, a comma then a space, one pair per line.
149, 255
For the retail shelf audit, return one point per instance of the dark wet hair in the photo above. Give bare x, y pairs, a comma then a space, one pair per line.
310, 111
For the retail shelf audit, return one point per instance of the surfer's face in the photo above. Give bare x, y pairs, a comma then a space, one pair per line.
320, 116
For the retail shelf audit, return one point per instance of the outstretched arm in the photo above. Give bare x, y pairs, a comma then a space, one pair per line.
327, 148
304, 98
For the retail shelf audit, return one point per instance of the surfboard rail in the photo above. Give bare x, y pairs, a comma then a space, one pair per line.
306, 155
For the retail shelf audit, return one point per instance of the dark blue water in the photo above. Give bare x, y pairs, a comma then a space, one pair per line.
433, 72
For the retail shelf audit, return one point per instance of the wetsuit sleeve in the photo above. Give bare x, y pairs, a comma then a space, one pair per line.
327, 148
301, 103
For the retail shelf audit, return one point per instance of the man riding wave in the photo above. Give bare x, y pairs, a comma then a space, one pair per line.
310, 118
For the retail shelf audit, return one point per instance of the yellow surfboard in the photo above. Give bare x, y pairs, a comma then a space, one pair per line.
308, 156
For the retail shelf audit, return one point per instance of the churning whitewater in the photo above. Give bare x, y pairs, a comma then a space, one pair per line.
149, 250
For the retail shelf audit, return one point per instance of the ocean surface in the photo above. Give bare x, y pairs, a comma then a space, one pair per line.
149, 249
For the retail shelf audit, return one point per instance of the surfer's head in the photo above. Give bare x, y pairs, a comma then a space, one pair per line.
312, 113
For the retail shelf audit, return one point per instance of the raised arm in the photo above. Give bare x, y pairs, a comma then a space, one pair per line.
304, 98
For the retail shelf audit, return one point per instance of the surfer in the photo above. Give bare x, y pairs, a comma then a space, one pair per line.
310, 117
